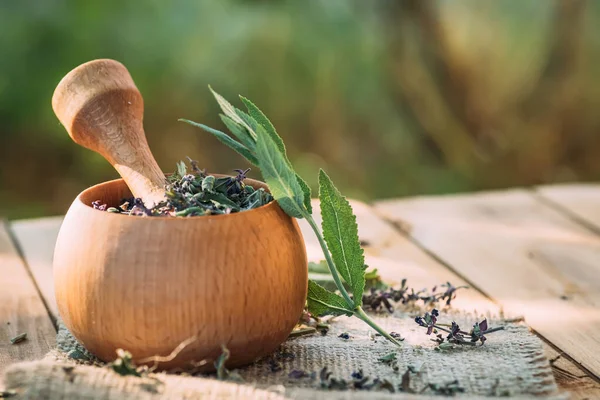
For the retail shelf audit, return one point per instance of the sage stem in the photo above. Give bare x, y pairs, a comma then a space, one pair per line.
330, 264
360, 313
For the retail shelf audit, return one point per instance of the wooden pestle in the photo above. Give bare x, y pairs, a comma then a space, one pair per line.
102, 110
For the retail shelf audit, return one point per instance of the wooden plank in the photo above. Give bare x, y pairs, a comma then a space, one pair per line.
21, 309
580, 201
386, 249
396, 257
570, 377
526, 255
390, 251
36, 239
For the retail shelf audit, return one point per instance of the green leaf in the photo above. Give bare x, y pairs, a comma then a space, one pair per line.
239, 131
228, 109
323, 302
249, 122
307, 194
226, 140
341, 234
220, 198
208, 183
262, 119
181, 169
279, 175
318, 267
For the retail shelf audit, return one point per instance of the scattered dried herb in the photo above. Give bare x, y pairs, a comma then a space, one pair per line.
19, 338
391, 360
68, 369
496, 392
357, 382
5, 394
344, 335
195, 194
388, 358
274, 365
222, 372
381, 298
123, 364
258, 142
298, 374
454, 334
446, 389
302, 332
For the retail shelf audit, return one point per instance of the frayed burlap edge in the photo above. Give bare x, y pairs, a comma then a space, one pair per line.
71, 372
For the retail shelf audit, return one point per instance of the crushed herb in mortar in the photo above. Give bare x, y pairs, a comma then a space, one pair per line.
195, 194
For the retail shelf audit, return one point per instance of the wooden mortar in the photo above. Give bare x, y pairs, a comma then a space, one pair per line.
150, 284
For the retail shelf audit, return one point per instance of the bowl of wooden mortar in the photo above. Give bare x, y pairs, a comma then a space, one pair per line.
176, 288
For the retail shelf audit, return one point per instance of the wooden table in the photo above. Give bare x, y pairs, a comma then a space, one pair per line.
531, 252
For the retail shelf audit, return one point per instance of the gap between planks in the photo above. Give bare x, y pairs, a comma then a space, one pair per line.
21, 309
521, 252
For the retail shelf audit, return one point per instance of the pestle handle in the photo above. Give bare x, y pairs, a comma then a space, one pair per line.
103, 110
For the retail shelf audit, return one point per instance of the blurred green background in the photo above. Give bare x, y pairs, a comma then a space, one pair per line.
392, 98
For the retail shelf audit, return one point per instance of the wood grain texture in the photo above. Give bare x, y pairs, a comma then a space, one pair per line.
394, 255
387, 249
21, 309
36, 240
570, 377
384, 245
149, 284
581, 201
102, 110
529, 257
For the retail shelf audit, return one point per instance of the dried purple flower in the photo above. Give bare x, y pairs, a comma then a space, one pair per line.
297, 374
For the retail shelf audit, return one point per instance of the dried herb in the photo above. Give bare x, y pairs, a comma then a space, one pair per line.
258, 141
123, 364
274, 365
382, 297
495, 392
5, 394
388, 358
195, 194
323, 328
19, 338
222, 372
344, 335
357, 382
454, 334
298, 374
391, 360
302, 332
446, 389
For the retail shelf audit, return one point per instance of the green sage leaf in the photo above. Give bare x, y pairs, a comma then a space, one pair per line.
341, 234
240, 132
262, 119
226, 140
279, 175
258, 117
307, 194
323, 302
228, 109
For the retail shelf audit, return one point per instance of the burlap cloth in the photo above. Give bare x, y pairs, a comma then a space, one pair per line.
511, 363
